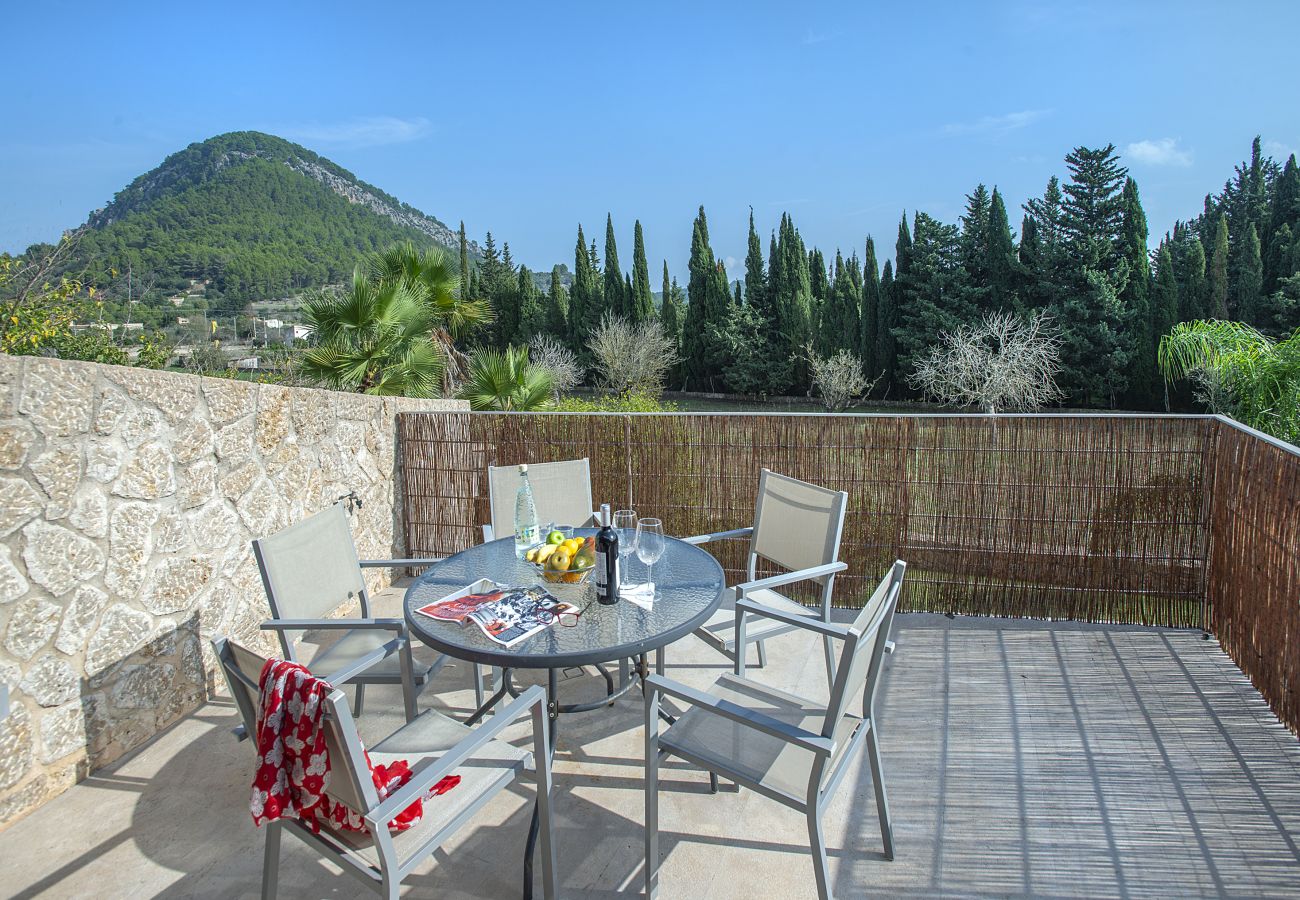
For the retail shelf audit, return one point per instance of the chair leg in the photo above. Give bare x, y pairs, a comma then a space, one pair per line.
713, 782
762, 654
478, 685
818, 843
361, 699
271, 861
829, 650
882, 802
651, 794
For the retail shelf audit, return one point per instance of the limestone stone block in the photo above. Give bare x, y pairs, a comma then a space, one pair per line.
31, 626
58, 397
148, 474
144, 423
261, 508
143, 686
57, 559
170, 533
121, 632
103, 460
176, 584
196, 484
228, 399
312, 415
235, 441
12, 583
16, 440
172, 393
130, 546
237, 483
58, 471
79, 618
11, 377
26, 798
50, 681
15, 746
19, 504
89, 512
63, 732
193, 441
214, 526
273, 412
359, 407
112, 406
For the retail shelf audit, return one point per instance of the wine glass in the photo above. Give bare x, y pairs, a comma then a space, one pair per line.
625, 525
650, 545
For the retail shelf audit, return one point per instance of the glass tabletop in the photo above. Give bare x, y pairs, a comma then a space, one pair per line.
688, 589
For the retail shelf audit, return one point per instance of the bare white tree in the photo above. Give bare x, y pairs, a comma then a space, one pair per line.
632, 357
1000, 363
559, 360
838, 379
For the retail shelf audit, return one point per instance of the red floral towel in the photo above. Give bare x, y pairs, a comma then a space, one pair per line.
293, 766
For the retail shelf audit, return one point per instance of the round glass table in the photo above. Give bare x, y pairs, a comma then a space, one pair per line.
688, 589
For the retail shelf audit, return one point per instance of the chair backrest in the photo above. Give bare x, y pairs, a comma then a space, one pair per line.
311, 569
864, 650
243, 670
797, 525
561, 493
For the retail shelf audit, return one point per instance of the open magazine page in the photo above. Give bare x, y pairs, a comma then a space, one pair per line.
457, 608
517, 614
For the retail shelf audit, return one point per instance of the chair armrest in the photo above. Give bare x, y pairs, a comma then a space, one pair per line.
373, 658
396, 563
797, 737
398, 625
732, 535
427, 776
790, 577
808, 623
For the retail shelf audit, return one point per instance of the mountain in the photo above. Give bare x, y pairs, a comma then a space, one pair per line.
254, 215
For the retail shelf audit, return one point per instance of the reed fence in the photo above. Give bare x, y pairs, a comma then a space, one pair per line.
1182, 521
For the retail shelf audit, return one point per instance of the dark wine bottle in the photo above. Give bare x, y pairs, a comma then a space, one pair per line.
606, 573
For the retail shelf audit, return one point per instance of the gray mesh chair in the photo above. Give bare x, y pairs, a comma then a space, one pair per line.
561, 493
797, 526
793, 750
434, 746
310, 569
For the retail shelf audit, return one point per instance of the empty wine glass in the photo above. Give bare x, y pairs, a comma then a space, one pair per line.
650, 545
625, 525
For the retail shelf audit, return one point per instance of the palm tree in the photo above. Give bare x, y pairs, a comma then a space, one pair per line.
505, 380
1241, 372
373, 339
431, 276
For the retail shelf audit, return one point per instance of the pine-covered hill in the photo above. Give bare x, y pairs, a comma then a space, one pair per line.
256, 215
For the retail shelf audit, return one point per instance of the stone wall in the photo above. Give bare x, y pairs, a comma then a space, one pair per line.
128, 498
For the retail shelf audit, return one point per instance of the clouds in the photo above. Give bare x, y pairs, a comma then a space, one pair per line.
1159, 152
996, 125
365, 131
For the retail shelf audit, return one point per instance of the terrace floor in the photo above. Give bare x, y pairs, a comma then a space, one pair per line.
1022, 758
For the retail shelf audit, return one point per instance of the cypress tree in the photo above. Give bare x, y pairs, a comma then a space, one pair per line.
1189, 263
886, 319
1284, 222
870, 309
707, 311
670, 308
464, 261
819, 282
584, 303
532, 312
839, 326
931, 294
1218, 271
557, 308
1144, 376
615, 300
1164, 293
643, 303
999, 266
1250, 279
974, 249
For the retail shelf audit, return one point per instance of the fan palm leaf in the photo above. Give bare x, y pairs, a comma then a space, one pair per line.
505, 380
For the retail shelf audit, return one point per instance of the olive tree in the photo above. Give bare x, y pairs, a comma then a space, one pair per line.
632, 357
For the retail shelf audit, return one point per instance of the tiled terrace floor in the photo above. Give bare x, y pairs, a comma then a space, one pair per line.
1022, 759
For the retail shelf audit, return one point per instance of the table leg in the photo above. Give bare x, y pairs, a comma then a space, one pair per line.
552, 724
493, 700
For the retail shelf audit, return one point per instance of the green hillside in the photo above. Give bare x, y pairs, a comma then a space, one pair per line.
257, 216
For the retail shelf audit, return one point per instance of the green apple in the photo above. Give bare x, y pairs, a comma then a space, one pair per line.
555, 537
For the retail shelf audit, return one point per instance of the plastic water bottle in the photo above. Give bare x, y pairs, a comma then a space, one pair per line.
526, 528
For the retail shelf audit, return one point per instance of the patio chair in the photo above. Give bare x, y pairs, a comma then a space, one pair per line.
797, 526
561, 493
783, 746
434, 746
309, 570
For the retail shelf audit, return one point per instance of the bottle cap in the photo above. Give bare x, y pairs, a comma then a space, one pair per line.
523, 468
605, 518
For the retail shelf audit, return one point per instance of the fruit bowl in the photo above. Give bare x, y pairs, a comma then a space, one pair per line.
563, 561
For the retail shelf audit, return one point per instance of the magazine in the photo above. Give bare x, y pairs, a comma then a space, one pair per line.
507, 615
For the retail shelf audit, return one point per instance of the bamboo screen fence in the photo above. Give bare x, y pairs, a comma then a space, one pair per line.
1187, 521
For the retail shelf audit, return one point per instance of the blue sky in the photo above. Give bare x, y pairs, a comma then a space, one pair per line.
527, 119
